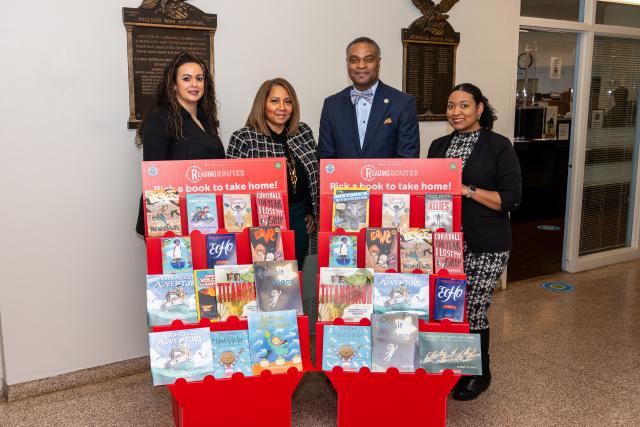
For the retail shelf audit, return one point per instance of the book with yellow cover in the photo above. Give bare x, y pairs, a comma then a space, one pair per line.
350, 208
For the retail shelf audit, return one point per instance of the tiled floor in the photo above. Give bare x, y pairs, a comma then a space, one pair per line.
558, 359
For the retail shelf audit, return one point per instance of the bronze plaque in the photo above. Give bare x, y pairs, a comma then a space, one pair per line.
428, 74
156, 32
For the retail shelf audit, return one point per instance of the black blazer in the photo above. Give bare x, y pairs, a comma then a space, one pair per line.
492, 165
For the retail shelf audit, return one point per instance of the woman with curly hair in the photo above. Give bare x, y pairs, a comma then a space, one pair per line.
183, 125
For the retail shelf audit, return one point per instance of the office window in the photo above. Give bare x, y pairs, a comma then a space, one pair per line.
618, 13
567, 10
612, 146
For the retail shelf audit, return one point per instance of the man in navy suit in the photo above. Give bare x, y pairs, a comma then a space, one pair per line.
368, 119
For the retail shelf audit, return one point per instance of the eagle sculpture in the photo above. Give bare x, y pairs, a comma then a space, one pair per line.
175, 9
434, 19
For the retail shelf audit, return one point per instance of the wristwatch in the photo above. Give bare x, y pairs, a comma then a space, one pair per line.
472, 191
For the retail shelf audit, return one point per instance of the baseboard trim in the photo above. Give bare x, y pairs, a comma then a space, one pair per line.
98, 374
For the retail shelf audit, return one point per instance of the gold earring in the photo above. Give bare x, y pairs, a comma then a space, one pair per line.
479, 118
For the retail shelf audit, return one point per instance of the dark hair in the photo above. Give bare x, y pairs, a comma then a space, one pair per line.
489, 114
363, 39
257, 119
166, 97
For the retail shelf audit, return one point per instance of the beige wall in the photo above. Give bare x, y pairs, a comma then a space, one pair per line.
72, 293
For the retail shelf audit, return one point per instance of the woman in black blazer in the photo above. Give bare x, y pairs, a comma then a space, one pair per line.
492, 186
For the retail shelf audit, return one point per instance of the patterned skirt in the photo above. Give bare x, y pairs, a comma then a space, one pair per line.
483, 269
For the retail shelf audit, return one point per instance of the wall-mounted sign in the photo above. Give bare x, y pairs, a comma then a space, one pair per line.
555, 68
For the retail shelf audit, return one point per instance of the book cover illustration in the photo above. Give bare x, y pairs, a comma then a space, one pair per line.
206, 301
382, 249
270, 210
395, 342
416, 251
345, 293
171, 297
176, 255
202, 213
237, 212
221, 249
266, 244
458, 352
180, 354
395, 211
448, 252
231, 353
343, 251
350, 208
401, 292
438, 212
274, 341
278, 286
235, 290
450, 296
346, 346
163, 212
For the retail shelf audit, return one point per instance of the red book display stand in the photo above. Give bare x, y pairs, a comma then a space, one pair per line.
390, 398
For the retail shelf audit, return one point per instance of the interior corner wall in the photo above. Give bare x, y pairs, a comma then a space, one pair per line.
72, 293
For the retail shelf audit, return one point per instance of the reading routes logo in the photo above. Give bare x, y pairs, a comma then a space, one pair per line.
195, 174
370, 172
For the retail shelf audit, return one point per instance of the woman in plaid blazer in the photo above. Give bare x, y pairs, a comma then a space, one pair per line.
274, 129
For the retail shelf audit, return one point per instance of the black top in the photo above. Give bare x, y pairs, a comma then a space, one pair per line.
301, 192
158, 144
492, 165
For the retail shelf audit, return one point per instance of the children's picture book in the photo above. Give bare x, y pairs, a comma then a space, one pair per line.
231, 353
395, 342
184, 354
278, 286
274, 341
343, 250
345, 293
395, 211
266, 244
270, 210
401, 292
450, 296
171, 297
237, 212
346, 346
176, 255
235, 290
350, 208
416, 251
458, 352
382, 249
202, 213
438, 212
221, 249
448, 252
163, 212
206, 301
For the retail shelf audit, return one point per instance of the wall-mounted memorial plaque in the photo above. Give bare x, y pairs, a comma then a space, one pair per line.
429, 63
156, 32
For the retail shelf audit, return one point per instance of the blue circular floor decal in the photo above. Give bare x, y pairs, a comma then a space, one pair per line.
558, 287
548, 227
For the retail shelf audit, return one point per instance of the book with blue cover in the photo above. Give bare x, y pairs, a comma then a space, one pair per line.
202, 213
401, 292
458, 352
237, 212
450, 296
346, 346
274, 341
231, 353
382, 249
235, 290
184, 354
266, 244
176, 255
171, 297
221, 249
206, 301
395, 342
345, 292
343, 250
278, 286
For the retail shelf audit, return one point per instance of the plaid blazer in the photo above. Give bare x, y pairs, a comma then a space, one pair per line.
249, 143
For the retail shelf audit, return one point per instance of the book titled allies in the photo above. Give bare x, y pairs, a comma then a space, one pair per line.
438, 212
